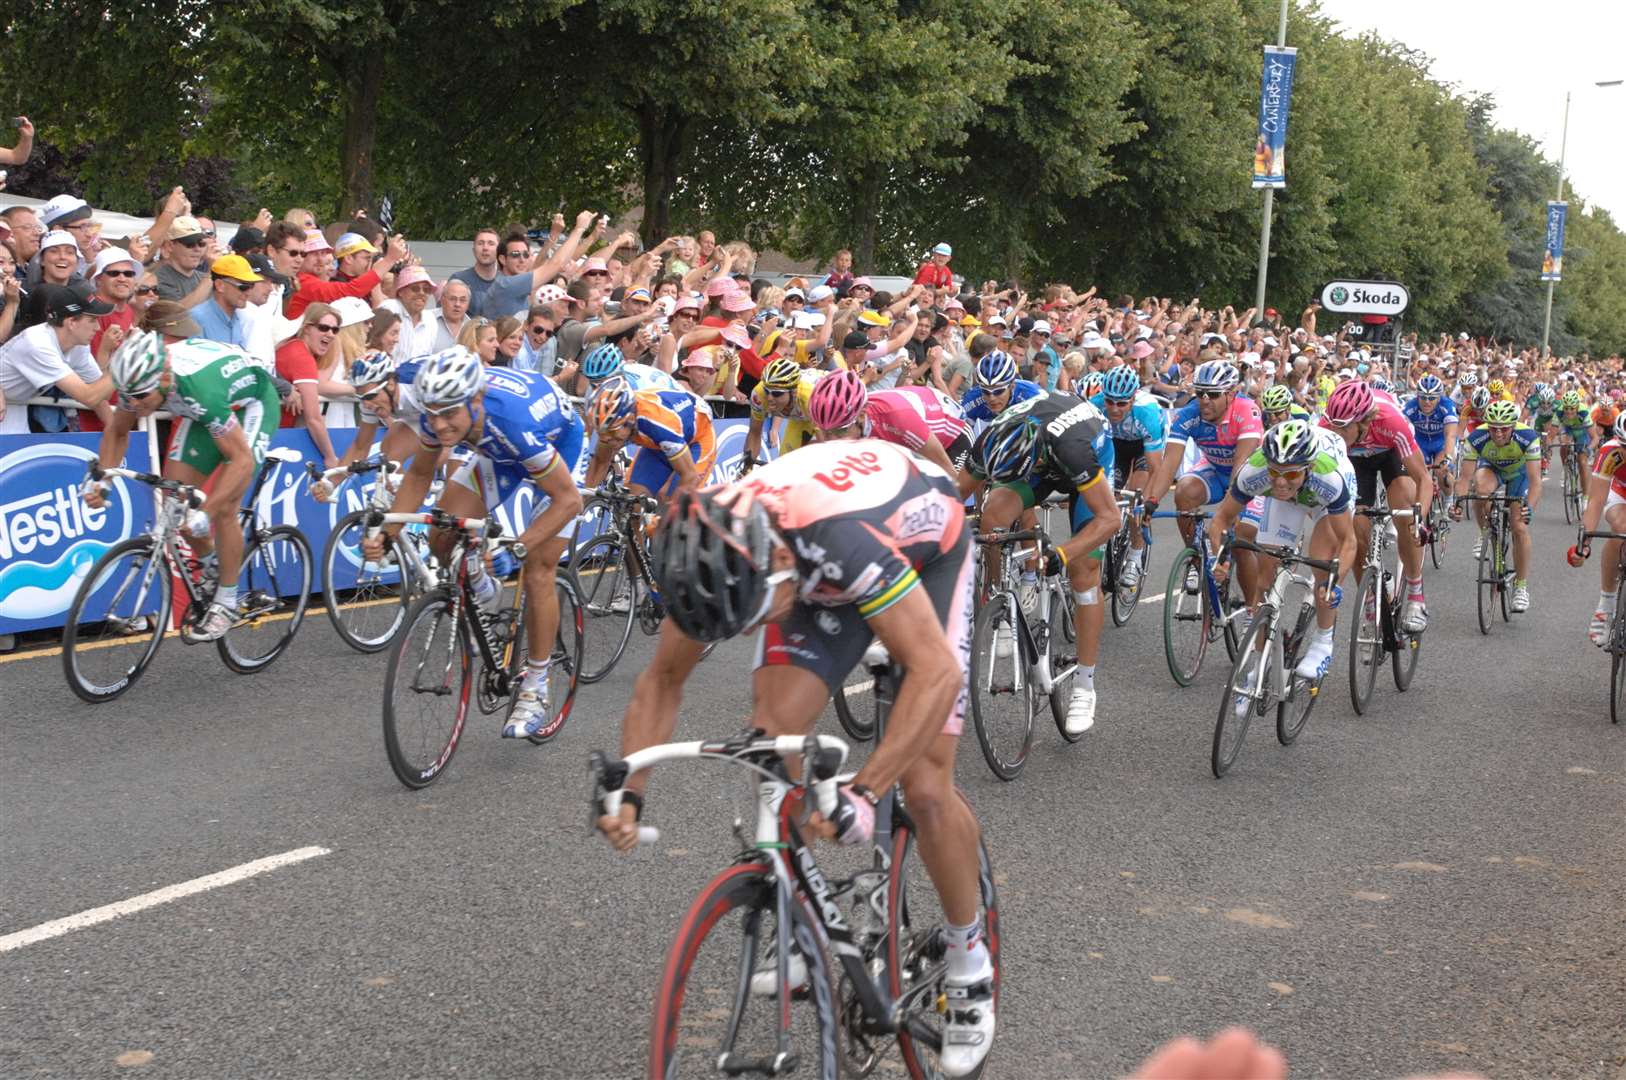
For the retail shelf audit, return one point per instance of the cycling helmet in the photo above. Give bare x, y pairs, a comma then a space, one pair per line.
1277, 399
712, 564
1091, 384
1497, 387
1616, 394
996, 371
1618, 428
602, 362
1380, 383
782, 374
1290, 443
449, 377
1008, 448
612, 404
1470, 378
1430, 386
1216, 375
1541, 389
1548, 395
1349, 403
1480, 399
837, 401
138, 363
1502, 414
371, 368
1121, 383
1571, 401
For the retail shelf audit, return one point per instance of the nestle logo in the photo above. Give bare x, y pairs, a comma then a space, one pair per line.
841, 478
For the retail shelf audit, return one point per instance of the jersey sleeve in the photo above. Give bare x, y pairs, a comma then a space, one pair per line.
1471, 445
759, 408
1156, 425
1245, 415
1074, 455
1180, 427
1609, 458
1532, 445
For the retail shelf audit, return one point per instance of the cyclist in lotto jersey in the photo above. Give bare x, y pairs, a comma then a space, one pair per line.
916, 417
523, 431
1433, 419
670, 430
996, 388
826, 548
784, 391
1505, 454
1138, 428
1606, 501
226, 406
1041, 447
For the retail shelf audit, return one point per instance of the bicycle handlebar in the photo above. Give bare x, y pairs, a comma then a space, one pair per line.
355, 468
191, 495
489, 528
1285, 554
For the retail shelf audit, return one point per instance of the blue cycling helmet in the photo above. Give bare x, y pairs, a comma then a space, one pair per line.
1380, 383
370, 368
1121, 383
1430, 386
1008, 448
602, 362
1216, 375
996, 371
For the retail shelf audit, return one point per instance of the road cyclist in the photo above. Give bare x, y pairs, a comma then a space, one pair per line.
1138, 428
1505, 455
1606, 502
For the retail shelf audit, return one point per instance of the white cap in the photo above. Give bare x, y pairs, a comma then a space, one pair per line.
1040, 327
351, 310
996, 320
60, 206
112, 255
807, 320
58, 238
820, 293
1143, 333
1093, 340
1272, 342
795, 292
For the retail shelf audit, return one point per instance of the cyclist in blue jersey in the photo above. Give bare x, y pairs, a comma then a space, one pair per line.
997, 388
523, 430
1433, 419
1138, 428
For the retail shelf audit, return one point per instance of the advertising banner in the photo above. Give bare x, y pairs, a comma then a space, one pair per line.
1552, 260
1275, 95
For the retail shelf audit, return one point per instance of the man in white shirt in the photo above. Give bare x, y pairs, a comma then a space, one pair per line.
452, 314
413, 289
55, 355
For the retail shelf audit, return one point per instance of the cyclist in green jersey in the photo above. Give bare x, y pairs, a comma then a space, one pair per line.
226, 406
1278, 406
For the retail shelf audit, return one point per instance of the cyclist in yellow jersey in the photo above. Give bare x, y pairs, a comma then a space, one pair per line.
784, 391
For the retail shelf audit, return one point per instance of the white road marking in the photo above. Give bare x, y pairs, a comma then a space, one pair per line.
1152, 599
58, 927
860, 687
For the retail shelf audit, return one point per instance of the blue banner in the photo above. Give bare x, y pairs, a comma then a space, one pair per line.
49, 539
1275, 95
1552, 260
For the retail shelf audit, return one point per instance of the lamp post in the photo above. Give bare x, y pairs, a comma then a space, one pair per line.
1563, 144
1270, 201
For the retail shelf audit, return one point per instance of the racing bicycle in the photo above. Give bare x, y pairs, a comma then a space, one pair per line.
1494, 580
1126, 598
1376, 630
1616, 641
122, 609
1574, 485
1196, 608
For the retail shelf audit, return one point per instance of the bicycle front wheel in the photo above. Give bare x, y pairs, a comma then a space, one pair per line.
426, 691
1293, 711
720, 1008
1485, 590
273, 590
564, 665
1404, 659
1246, 692
1439, 529
609, 595
1001, 691
914, 965
1063, 660
1365, 640
1126, 598
1502, 572
117, 620
367, 614
854, 702
1187, 618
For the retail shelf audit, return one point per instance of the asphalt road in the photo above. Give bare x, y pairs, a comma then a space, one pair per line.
1437, 885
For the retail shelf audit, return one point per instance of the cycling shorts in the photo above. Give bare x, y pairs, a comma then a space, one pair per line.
1369, 467
1035, 490
1217, 479
830, 641
191, 444
1516, 487
652, 470
1128, 458
495, 482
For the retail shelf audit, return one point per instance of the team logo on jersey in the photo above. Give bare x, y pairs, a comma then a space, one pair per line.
827, 621
843, 476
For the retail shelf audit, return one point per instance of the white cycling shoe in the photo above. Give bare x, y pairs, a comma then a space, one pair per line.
1521, 600
968, 1026
530, 713
1081, 711
1415, 617
1131, 571
213, 626
1598, 631
1315, 661
765, 980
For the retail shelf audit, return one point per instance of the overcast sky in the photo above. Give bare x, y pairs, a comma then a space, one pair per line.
1527, 55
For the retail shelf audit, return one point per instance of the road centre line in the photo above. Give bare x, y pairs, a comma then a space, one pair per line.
107, 912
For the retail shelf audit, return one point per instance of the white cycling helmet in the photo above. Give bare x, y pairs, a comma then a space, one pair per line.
138, 363
449, 377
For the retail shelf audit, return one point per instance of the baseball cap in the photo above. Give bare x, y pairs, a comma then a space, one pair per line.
417, 275
855, 339
58, 238
350, 243
971, 322
112, 256
820, 293
861, 283
547, 294
75, 298
168, 317
1270, 313
235, 267
262, 266
63, 210
873, 318
637, 294
351, 310
807, 320
316, 240
184, 226
997, 320
247, 238
942, 249
796, 293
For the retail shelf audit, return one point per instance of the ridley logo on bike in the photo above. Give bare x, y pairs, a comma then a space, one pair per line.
828, 908
49, 538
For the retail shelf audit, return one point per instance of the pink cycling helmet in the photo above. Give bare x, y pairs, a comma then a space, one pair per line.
1349, 403
837, 401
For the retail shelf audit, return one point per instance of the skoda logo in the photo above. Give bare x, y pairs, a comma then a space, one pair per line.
1339, 294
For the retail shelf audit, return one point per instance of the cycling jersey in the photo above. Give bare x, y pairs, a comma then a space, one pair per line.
667, 424
215, 388
1145, 421
1607, 466
1329, 485
974, 408
907, 415
407, 410
1429, 427
527, 428
1507, 461
1388, 430
1217, 441
799, 428
645, 377
1074, 452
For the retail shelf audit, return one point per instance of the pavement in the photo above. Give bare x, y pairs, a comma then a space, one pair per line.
1439, 884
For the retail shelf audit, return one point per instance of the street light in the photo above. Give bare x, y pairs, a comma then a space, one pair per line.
1563, 141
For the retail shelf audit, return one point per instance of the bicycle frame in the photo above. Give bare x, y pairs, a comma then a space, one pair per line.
1216, 596
1034, 659
1274, 601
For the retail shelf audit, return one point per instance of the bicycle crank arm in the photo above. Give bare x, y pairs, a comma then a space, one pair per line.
731, 1064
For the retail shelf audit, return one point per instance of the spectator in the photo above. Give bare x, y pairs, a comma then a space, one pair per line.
413, 290
840, 277
57, 260
25, 144
453, 314
1046, 364
219, 318
483, 274
479, 336
53, 359
355, 262
73, 216
11, 292
114, 275
510, 339
146, 291
262, 315
249, 239
24, 233
935, 270
318, 259
300, 217
536, 350
509, 292
182, 277
298, 360
684, 317
384, 331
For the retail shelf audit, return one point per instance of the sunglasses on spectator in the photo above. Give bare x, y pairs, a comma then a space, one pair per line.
541, 331
193, 241
295, 253
326, 328
240, 286
144, 290
118, 273
517, 254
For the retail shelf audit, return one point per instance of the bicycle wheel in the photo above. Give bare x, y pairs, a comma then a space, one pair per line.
1365, 640
273, 590
564, 668
1001, 691
426, 691
117, 620
1126, 598
1502, 575
1485, 590
914, 948
1439, 529
366, 615
1293, 711
1234, 602
609, 597
854, 702
1250, 679
1063, 661
1404, 659
1617, 679
1187, 620
705, 1010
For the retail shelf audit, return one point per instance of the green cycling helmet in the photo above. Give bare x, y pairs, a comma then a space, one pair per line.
1276, 399
1570, 402
1502, 414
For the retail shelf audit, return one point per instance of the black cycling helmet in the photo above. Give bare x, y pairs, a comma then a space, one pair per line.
712, 565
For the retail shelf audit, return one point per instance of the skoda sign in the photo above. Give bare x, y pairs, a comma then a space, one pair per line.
1365, 297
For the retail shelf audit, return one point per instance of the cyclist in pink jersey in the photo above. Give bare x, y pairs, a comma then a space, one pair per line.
916, 417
